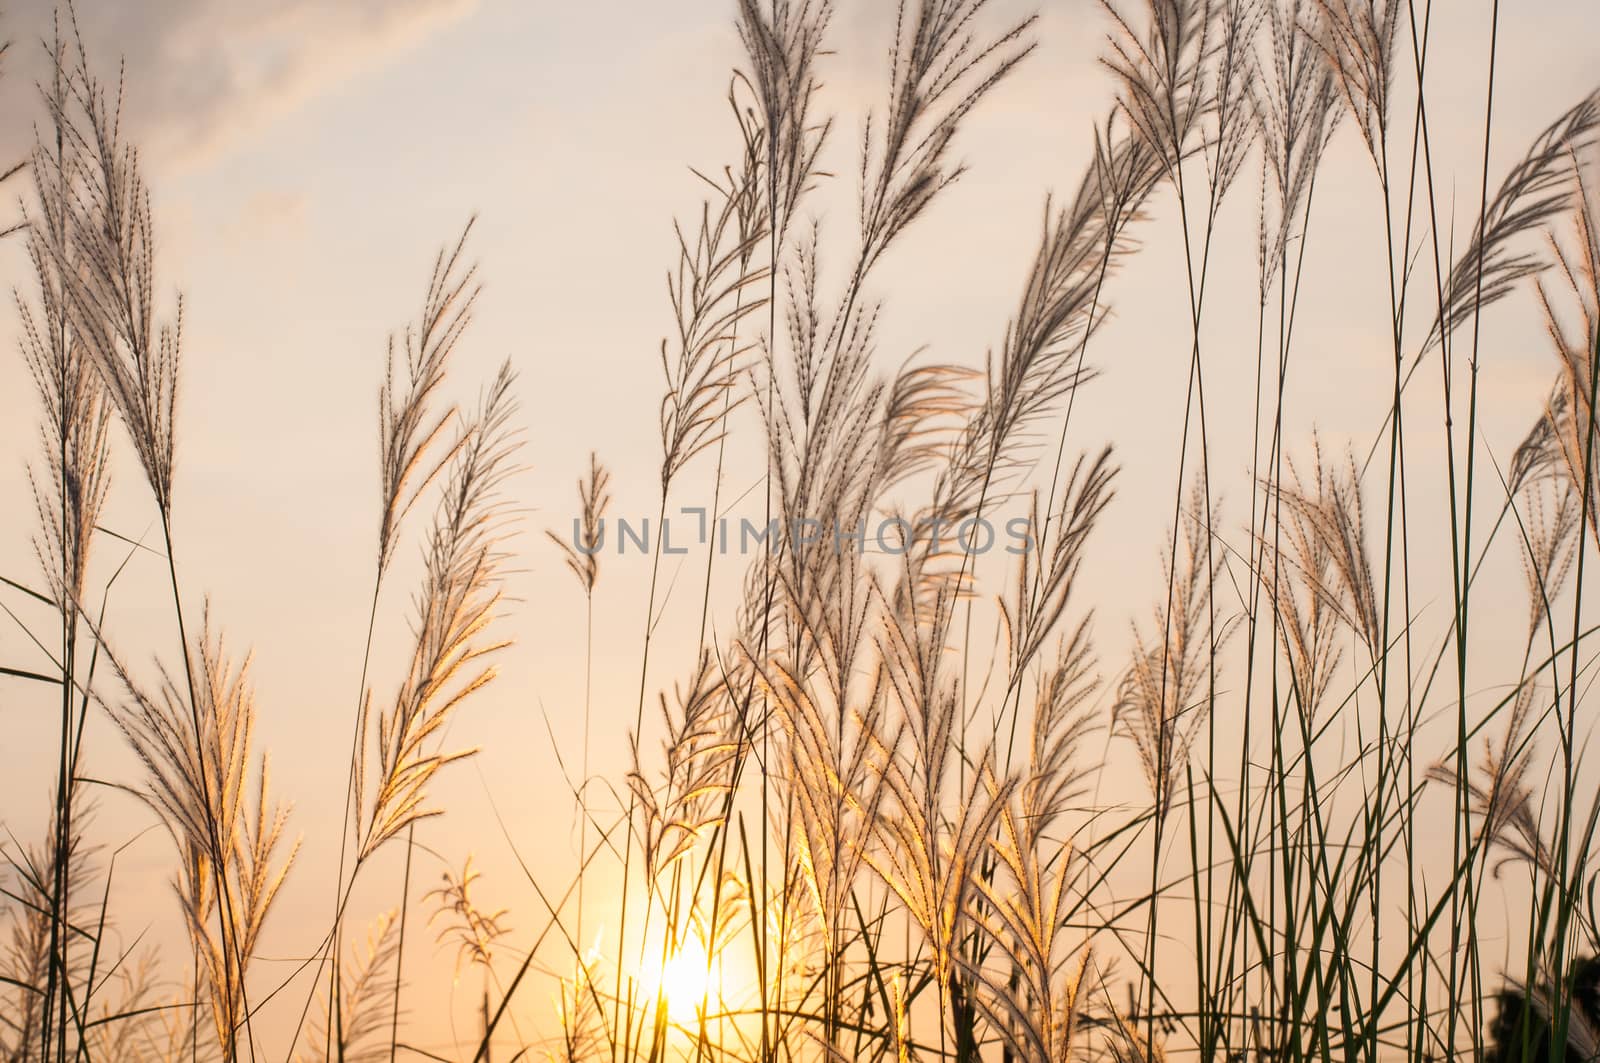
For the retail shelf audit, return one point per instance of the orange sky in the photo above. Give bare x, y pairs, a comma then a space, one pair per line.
307, 161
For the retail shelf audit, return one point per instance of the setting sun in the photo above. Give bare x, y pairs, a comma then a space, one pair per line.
687, 981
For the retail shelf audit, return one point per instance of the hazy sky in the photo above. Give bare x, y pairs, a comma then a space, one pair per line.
308, 159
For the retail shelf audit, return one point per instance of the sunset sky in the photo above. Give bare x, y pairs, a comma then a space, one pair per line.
307, 161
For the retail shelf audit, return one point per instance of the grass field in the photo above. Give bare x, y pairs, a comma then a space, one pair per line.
1332, 798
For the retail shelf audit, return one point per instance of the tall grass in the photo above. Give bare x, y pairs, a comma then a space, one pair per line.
848, 830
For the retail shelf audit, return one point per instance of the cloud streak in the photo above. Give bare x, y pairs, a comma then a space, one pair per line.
211, 72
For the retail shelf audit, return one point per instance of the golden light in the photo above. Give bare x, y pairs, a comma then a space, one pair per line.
688, 982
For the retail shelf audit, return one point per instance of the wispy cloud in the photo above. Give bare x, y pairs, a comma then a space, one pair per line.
211, 71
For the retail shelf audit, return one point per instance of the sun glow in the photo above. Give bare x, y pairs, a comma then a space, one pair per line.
688, 982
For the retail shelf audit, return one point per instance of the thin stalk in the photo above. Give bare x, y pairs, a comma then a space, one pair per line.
400, 956
226, 917
644, 671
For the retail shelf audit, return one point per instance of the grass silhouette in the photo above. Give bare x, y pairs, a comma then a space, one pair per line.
879, 838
